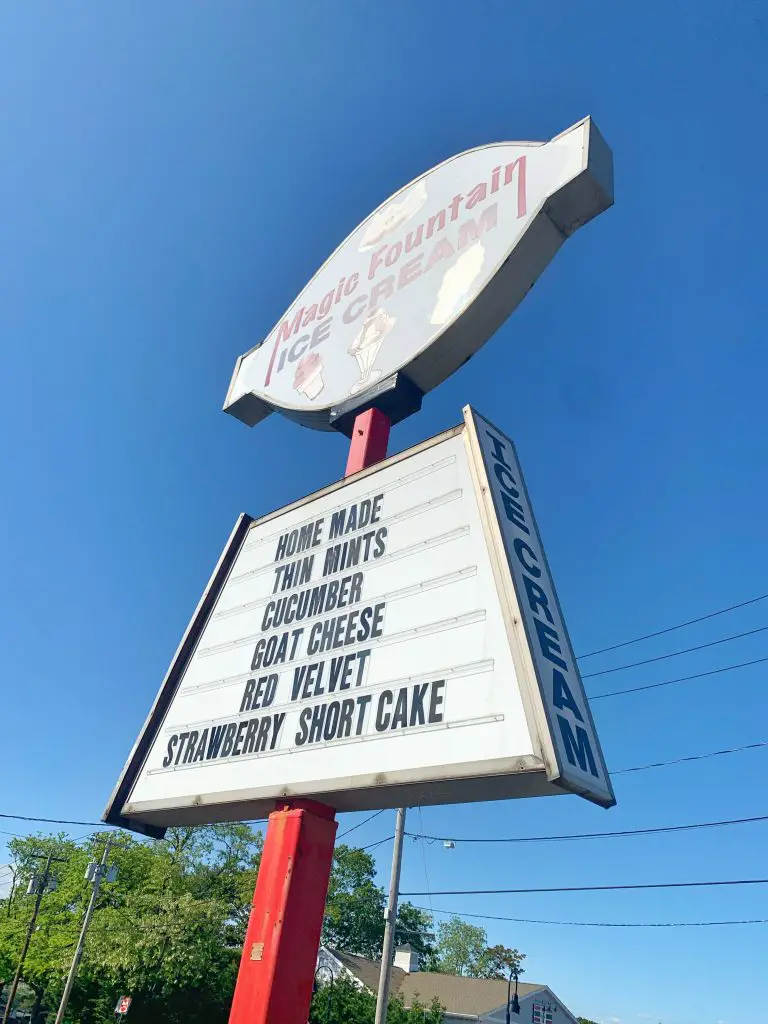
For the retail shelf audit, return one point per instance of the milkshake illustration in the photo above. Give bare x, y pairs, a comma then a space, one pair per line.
308, 379
365, 347
456, 284
387, 221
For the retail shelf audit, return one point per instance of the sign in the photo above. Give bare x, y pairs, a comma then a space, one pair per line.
575, 752
392, 639
123, 1006
427, 278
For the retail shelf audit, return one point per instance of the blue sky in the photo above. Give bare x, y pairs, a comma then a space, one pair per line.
171, 176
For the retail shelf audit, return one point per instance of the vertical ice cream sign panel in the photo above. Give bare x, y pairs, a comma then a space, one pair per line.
572, 749
425, 280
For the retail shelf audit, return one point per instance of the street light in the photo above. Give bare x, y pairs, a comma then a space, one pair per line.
514, 972
329, 1003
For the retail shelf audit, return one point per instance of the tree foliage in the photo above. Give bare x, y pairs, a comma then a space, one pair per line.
462, 949
344, 1002
354, 920
169, 931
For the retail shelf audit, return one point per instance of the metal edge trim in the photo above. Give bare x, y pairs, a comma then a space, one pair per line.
112, 814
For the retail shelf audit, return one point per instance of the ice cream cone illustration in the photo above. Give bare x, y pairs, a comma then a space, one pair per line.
366, 345
456, 284
387, 221
308, 379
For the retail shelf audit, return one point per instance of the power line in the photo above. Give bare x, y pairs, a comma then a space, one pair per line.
424, 853
680, 679
103, 825
675, 654
591, 888
16, 835
670, 629
622, 771
692, 757
358, 825
594, 835
599, 924
372, 846
56, 821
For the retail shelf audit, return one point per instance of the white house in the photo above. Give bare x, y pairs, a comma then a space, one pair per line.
464, 999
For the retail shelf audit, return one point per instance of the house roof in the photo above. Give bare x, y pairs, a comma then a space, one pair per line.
471, 996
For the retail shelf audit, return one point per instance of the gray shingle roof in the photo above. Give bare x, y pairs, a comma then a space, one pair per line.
456, 995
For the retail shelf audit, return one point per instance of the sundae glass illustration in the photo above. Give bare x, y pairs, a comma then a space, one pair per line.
385, 222
365, 347
456, 284
308, 379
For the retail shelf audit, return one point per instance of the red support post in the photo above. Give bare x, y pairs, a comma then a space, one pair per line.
370, 436
277, 967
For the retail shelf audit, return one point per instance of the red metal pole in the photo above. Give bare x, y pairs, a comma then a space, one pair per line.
370, 436
277, 967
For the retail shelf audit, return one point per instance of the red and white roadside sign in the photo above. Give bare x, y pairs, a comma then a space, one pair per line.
395, 638
392, 639
426, 279
123, 1006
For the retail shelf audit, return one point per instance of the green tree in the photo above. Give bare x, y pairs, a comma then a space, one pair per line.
344, 1002
168, 932
354, 916
460, 946
498, 961
462, 949
585, 1020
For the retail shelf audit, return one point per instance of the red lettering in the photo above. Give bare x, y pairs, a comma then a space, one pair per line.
470, 232
477, 195
410, 242
284, 331
350, 315
394, 253
289, 327
385, 287
508, 173
442, 250
439, 219
376, 259
410, 271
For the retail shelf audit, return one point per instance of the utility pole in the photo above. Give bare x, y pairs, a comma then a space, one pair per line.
390, 918
42, 885
96, 873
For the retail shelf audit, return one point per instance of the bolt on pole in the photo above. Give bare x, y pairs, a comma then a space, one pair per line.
382, 999
99, 875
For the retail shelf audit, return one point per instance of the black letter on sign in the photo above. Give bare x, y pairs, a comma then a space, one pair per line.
382, 718
548, 642
562, 696
171, 746
577, 747
435, 702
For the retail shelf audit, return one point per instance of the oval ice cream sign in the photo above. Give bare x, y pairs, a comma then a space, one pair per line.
426, 279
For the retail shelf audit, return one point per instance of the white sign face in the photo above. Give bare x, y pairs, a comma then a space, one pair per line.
360, 650
431, 271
